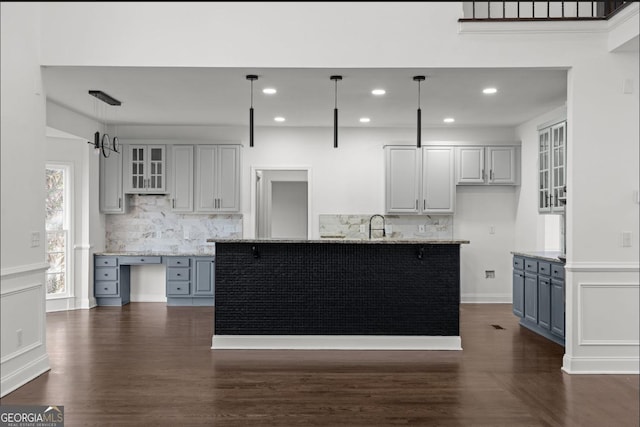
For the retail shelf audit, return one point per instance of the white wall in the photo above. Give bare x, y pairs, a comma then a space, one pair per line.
22, 135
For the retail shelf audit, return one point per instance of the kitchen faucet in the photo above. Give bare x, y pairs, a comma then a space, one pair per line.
383, 225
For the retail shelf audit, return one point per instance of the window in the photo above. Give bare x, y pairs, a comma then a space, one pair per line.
57, 221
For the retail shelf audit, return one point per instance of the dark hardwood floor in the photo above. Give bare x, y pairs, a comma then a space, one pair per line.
149, 364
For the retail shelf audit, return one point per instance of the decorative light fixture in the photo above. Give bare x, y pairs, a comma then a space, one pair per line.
335, 111
449, 120
419, 79
365, 119
269, 91
279, 119
489, 90
104, 144
251, 77
378, 92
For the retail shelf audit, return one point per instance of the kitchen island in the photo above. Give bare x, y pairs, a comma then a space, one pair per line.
337, 294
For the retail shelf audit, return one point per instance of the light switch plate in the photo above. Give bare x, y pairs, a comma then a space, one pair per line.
35, 239
626, 239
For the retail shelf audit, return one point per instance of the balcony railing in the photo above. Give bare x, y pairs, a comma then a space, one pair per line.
540, 10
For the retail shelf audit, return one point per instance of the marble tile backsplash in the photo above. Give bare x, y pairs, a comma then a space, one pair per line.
151, 226
402, 226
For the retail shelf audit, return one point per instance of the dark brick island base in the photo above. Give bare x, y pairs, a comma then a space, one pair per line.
337, 295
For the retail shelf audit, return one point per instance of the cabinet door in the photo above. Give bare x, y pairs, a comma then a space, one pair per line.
402, 180
544, 170
438, 188
136, 168
518, 293
557, 307
182, 178
204, 276
206, 185
111, 191
156, 167
558, 167
531, 297
470, 165
502, 165
544, 302
228, 178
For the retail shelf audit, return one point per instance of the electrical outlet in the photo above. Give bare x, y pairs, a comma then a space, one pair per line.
420, 228
35, 239
185, 231
492, 229
388, 229
363, 228
626, 239
489, 274
19, 337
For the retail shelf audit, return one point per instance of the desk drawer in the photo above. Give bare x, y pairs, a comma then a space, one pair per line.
106, 288
531, 265
175, 261
104, 261
106, 273
178, 273
178, 288
132, 260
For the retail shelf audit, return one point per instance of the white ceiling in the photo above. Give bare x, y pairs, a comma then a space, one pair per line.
305, 97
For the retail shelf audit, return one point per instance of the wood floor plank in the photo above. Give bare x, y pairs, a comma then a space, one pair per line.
149, 364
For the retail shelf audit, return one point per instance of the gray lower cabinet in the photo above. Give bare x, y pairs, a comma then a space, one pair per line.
539, 296
189, 280
111, 281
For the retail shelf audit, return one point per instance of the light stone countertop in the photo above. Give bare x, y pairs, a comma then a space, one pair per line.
552, 256
349, 241
128, 253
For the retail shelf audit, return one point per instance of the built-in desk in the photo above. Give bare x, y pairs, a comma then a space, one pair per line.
190, 279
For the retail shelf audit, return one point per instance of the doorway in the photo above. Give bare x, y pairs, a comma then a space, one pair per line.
282, 203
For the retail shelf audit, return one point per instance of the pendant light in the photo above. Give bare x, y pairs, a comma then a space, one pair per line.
335, 111
103, 144
419, 79
251, 77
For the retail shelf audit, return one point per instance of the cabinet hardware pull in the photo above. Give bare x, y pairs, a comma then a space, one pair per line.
106, 274
424, 205
178, 274
141, 259
416, 204
173, 201
483, 174
491, 175
119, 202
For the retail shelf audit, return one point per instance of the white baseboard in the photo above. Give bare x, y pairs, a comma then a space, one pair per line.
26, 373
334, 342
601, 365
486, 298
148, 298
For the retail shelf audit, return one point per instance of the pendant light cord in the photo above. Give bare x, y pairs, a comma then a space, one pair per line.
336, 93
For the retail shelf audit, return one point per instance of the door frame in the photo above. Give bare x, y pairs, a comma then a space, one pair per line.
252, 223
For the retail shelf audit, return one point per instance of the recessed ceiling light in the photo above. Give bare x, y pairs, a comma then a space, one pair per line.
378, 92
449, 120
365, 120
269, 90
489, 90
279, 119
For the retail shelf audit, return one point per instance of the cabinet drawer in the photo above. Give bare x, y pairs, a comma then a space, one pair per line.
106, 261
106, 288
531, 265
106, 273
557, 271
518, 263
179, 273
175, 261
178, 288
131, 260
544, 268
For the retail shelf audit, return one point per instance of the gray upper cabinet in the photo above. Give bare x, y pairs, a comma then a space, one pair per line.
419, 180
112, 199
146, 169
182, 178
552, 168
438, 188
493, 165
402, 179
217, 178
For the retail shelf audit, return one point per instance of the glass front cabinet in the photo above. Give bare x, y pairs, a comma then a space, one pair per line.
146, 169
552, 168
